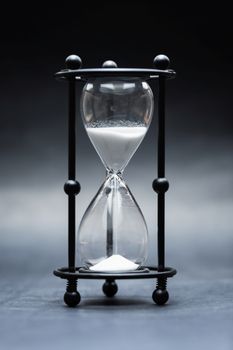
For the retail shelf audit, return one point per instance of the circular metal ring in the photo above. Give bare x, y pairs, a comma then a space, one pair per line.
147, 272
84, 74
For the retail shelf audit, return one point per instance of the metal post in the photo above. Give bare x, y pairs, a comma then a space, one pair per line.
161, 173
71, 174
161, 185
72, 187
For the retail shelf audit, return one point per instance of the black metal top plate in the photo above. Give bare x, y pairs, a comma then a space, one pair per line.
84, 74
152, 273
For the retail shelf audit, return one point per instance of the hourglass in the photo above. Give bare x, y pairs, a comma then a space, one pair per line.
116, 112
116, 107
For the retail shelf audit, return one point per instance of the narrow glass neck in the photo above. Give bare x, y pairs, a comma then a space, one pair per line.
110, 172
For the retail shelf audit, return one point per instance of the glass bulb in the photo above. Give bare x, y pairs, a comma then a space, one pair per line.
116, 113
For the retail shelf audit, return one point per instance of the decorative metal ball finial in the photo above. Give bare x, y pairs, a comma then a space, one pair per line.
161, 62
109, 64
73, 62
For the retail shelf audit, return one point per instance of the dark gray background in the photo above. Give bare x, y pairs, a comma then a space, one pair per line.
33, 149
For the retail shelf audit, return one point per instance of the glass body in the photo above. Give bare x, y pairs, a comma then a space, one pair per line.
116, 113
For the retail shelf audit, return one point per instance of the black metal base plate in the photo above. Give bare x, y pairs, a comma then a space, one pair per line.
146, 272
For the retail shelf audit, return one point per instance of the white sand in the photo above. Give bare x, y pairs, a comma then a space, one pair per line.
116, 145
115, 263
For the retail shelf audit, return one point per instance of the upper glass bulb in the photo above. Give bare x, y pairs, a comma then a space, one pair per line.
116, 113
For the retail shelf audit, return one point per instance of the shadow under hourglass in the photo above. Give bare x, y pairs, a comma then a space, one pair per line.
116, 301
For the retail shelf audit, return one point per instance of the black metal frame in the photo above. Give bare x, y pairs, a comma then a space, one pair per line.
71, 273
